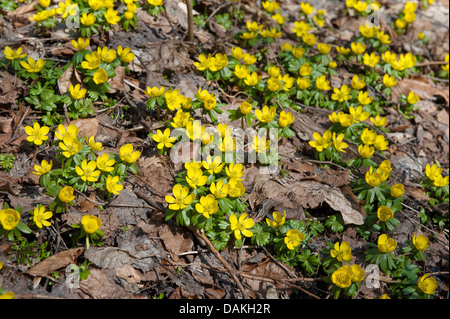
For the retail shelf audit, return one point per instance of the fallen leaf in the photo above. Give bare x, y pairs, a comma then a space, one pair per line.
99, 285
57, 261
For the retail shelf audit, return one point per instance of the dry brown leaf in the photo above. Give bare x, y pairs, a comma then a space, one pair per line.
60, 260
129, 274
23, 9
99, 285
422, 86
175, 240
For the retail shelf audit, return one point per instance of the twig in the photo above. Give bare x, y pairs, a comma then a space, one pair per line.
190, 19
432, 63
198, 233
214, 13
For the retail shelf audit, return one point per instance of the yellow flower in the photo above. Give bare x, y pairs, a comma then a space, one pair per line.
301, 28
72, 131
343, 50
379, 121
195, 178
381, 143
367, 31
76, 92
126, 154
441, 181
155, 2
303, 83
266, 115
446, 66
397, 190
360, 6
364, 98
107, 55
70, 146
420, 242
208, 205
270, 33
181, 119
365, 150
91, 223
40, 217
9, 218
389, 58
270, 6
81, 43
219, 189
357, 273
181, 198
104, 163
252, 79
324, 48
278, 18
385, 244
254, 26
241, 226
113, 186
285, 119
33, 66
342, 277
95, 146
112, 16
154, 91
87, 19
342, 94
385, 296
236, 189
321, 142
213, 166
384, 213
309, 39
298, 52
37, 134
433, 171
306, 8
358, 48
10, 54
322, 83
374, 178
260, 144
44, 168
237, 53
204, 62
383, 38
219, 62
125, 55
88, 171
357, 83
305, 69
235, 171
249, 35
342, 252
389, 81
273, 84
277, 221
249, 59
100, 76
92, 61
346, 120
245, 108
427, 284
368, 136
163, 139
385, 167
338, 143
413, 98
371, 60
358, 114
241, 71
293, 238
44, 3
65, 195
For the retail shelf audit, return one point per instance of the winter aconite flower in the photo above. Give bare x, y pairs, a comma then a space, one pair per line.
196, 178
104, 163
112, 185
213, 166
207, 206
234, 171
321, 142
10, 54
338, 143
81, 43
342, 94
125, 54
91, 223
285, 119
241, 226
342, 252
385, 244
40, 216
181, 197
293, 238
384, 213
70, 146
88, 171
76, 92
342, 277
9, 218
420, 242
37, 134
277, 220
397, 190
322, 83
112, 16
427, 284
44, 168
33, 66
127, 154
163, 139
389, 81
100, 76
65, 195
266, 115
219, 189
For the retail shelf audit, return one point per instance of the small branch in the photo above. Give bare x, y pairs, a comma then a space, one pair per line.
190, 19
198, 233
